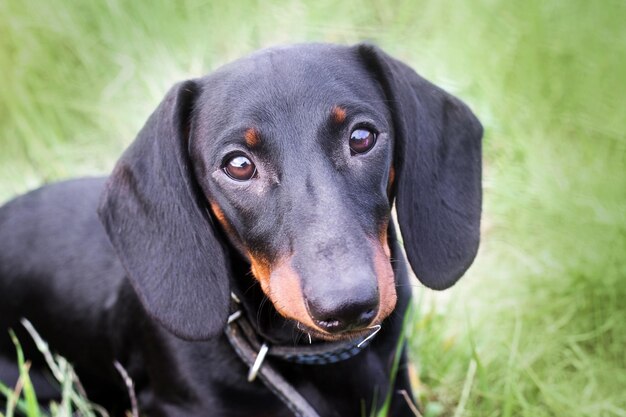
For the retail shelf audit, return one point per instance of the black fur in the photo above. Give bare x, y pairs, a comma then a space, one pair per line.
151, 288
157, 222
438, 158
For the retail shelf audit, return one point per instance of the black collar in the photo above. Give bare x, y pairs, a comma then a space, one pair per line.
252, 350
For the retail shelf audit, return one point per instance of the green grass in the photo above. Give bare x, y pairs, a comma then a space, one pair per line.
538, 327
22, 399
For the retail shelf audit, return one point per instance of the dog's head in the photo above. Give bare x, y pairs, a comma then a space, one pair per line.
296, 154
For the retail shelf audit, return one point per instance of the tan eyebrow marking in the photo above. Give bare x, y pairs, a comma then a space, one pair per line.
252, 137
338, 114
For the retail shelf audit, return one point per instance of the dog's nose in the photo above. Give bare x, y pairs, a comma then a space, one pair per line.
354, 312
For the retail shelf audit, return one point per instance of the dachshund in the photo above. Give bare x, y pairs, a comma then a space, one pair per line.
262, 191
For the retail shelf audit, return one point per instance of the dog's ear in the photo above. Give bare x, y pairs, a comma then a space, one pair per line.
438, 171
155, 217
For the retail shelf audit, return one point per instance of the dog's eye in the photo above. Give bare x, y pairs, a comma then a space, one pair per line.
239, 167
362, 140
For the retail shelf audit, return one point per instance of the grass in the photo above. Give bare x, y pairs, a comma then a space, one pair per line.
22, 399
537, 327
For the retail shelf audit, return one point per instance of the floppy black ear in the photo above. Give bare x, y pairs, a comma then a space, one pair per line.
155, 218
438, 171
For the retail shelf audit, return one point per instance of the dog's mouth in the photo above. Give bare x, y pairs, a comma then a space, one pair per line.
330, 311
311, 335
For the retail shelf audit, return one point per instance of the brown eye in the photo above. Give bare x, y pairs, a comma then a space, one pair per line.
239, 167
362, 140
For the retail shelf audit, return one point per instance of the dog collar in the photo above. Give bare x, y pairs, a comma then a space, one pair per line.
314, 354
253, 352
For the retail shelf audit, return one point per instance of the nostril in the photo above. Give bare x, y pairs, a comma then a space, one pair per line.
368, 316
343, 317
364, 319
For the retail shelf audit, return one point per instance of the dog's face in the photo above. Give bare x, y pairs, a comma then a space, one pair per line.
295, 163
298, 154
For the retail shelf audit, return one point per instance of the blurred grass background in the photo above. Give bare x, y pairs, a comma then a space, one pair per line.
538, 327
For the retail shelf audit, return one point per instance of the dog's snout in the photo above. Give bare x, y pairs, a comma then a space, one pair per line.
354, 311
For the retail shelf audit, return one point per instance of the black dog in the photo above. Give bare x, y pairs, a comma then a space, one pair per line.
272, 178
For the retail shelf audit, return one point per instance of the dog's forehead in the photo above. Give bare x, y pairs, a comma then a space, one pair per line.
278, 83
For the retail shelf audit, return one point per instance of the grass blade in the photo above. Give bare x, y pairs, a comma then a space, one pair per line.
30, 398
